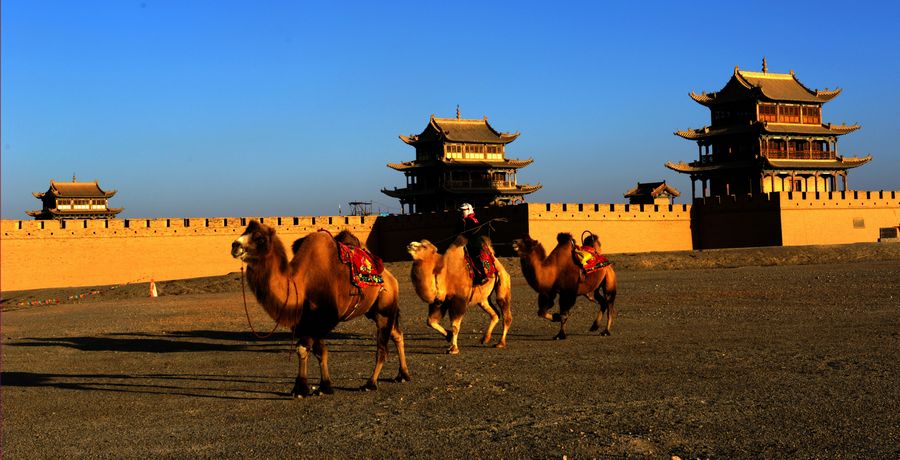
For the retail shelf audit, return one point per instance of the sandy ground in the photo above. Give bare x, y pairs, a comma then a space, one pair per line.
721, 354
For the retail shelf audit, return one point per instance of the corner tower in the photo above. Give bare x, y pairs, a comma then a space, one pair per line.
766, 135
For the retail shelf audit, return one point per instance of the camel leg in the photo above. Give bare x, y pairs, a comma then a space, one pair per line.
397, 337
491, 324
604, 306
504, 304
545, 303
383, 325
606, 297
610, 299
301, 389
435, 315
457, 311
566, 301
321, 352
610, 315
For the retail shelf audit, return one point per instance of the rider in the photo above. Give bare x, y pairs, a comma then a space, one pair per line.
468, 227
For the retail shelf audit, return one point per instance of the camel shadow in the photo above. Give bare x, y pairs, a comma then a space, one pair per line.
193, 385
178, 342
144, 343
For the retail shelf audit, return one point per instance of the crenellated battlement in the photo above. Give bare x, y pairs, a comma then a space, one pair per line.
193, 226
851, 199
608, 211
793, 200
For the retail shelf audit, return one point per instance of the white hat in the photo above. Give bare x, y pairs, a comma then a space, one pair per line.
466, 208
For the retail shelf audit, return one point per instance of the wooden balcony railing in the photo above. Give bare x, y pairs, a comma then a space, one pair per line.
801, 155
479, 184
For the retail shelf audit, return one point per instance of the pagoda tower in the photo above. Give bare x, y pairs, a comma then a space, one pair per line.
766, 135
74, 200
459, 161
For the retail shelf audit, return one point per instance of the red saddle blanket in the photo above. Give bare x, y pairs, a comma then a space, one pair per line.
487, 261
588, 259
365, 268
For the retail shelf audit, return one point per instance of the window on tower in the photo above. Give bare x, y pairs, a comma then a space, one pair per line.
789, 113
768, 112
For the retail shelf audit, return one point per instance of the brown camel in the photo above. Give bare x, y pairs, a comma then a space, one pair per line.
558, 274
313, 292
444, 283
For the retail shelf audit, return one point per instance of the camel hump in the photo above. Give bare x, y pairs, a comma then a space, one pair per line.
297, 243
253, 226
460, 241
563, 238
486, 242
348, 238
592, 241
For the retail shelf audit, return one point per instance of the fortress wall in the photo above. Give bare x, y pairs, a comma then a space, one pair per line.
621, 227
41, 254
736, 221
794, 218
837, 217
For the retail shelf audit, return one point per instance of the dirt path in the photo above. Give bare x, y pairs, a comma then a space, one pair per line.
781, 361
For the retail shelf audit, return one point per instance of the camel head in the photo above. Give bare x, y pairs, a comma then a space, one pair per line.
420, 250
256, 241
525, 246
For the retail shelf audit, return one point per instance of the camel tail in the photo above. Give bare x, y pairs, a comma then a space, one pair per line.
494, 296
498, 284
500, 293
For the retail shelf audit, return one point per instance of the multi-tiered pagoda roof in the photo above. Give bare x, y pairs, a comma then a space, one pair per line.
766, 134
74, 200
459, 160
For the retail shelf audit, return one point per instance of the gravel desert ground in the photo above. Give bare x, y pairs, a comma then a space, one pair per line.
756, 353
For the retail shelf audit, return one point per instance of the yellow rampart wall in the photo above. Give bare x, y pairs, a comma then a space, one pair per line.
837, 217
40, 254
621, 227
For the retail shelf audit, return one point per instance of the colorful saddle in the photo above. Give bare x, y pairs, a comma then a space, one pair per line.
588, 259
486, 260
365, 268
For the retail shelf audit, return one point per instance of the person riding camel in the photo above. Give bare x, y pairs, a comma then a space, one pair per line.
468, 227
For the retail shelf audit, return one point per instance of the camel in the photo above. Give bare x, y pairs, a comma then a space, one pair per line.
313, 292
444, 283
558, 274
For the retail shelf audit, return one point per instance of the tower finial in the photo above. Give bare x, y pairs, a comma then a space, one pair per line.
457, 111
765, 67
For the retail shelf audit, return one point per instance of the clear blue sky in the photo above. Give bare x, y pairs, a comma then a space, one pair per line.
229, 108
